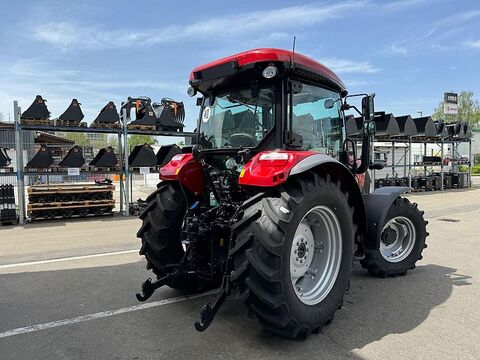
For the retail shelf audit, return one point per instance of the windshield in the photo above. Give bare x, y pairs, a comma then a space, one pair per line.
317, 119
238, 119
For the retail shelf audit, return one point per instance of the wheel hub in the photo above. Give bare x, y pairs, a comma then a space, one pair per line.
316, 254
397, 239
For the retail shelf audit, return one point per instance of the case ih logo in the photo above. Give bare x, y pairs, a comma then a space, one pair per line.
450, 104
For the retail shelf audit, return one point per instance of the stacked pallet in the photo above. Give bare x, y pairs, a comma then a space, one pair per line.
70, 200
8, 212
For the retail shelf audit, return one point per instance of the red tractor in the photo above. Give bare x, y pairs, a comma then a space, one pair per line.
267, 204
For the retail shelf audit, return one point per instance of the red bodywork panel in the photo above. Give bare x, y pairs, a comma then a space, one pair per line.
268, 54
269, 168
184, 169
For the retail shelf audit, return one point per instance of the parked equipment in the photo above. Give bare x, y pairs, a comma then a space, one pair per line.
406, 126
42, 159
4, 158
72, 116
108, 117
105, 158
166, 153
8, 212
255, 210
170, 114
74, 158
37, 111
142, 156
425, 128
386, 125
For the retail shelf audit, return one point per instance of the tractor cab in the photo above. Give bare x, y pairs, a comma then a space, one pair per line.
269, 99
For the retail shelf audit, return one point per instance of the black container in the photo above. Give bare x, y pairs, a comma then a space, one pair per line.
403, 181
437, 182
455, 180
447, 181
462, 180
166, 153
426, 183
105, 158
38, 110
379, 183
73, 113
108, 115
142, 156
414, 183
42, 159
390, 182
74, 158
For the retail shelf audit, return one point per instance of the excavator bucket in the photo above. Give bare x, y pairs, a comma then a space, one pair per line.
406, 125
453, 130
467, 131
105, 158
4, 158
353, 126
426, 127
74, 158
108, 115
73, 114
170, 114
42, 159
386, 125
166, 153
142, 156
441, 128
144, 113
37, 111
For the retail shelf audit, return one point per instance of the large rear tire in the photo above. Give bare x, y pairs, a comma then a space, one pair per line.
160, 233
270, 243
401, 242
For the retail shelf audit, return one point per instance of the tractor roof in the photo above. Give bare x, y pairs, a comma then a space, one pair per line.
251, 57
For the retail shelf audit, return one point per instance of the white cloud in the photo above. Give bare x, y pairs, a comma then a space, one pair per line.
66, 34
344, 66
473, 44
397, 50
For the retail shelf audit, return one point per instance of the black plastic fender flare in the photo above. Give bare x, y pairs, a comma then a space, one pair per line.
377, 205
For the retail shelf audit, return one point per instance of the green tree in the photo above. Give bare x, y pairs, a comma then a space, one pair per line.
79, 138
468, 109
140, 140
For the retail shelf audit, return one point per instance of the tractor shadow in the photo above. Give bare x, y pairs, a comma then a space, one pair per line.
373, 308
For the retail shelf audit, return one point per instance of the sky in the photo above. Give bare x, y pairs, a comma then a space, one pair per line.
407, 52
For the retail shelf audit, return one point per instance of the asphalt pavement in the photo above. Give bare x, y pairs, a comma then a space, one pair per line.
67, 291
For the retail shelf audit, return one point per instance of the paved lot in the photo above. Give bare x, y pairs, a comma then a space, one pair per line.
85, 307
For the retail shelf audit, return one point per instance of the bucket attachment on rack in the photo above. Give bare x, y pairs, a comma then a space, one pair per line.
73, 114
453, 130
142, 156
4, 158
108, 115
105, 158
425, 127
74, 158
170, 114
42, 159
353, 126
38, 110
386, 125
166, 153
144, 113
441, 128
406, 125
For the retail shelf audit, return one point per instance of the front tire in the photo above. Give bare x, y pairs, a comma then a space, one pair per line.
266, 264
402, 241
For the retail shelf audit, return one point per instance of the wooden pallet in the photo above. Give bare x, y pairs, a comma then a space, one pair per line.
33, 121
70, 205
100, 125
153, 169
67, 123
35, 217
69, 188
6, 170
142, 127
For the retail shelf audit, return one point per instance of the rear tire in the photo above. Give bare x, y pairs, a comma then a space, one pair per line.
264, 239
401, 242
160, 233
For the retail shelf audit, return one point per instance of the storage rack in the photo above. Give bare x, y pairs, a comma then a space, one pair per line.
122, 133
408, 164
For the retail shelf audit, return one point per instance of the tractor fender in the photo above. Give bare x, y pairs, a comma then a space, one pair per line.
377, 205
328, 166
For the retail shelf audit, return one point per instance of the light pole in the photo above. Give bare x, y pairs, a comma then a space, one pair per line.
420, 112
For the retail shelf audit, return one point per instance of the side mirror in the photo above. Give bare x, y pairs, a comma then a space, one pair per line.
368, 108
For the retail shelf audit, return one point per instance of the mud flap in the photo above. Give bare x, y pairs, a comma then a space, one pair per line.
377, 205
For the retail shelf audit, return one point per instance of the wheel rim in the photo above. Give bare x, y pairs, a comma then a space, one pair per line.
316, 255
397, 239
